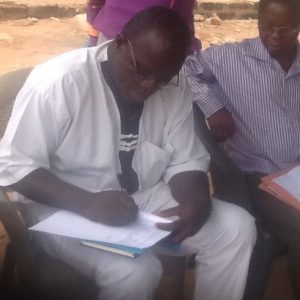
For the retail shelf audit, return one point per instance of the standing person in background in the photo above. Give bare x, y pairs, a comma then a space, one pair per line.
108, 17
250, 95
92, 10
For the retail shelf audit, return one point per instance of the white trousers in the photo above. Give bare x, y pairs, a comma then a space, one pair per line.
223, 248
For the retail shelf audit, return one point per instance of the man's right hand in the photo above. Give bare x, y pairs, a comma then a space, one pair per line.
115, 208
221, 124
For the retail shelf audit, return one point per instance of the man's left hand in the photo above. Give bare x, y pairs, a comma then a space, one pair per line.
190, 220
191, 191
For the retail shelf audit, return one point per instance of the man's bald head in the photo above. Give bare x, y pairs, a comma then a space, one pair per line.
165, 24
149, 52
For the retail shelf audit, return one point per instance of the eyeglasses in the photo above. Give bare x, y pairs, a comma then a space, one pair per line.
284, 30
145, 77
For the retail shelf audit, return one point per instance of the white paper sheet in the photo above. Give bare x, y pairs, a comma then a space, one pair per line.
291, 182
141, 234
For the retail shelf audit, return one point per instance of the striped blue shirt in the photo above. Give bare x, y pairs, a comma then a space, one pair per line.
263, 99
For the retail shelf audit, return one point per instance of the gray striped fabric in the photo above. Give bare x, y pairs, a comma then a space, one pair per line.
263, 99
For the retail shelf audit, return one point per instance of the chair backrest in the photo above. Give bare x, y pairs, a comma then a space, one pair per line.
218, 155
42, 273
10, 84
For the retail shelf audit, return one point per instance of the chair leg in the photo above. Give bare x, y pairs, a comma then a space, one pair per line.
7, 277
8, 268
172, 282
266, 249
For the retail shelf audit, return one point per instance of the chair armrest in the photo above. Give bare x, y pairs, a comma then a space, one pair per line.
22, 250
218, 156
227, 179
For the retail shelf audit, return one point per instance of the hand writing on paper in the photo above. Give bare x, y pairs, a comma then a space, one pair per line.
115, 208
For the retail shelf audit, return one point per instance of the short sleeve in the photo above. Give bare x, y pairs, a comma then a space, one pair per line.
33, 132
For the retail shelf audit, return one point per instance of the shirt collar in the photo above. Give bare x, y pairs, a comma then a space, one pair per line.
255, 48
101, 51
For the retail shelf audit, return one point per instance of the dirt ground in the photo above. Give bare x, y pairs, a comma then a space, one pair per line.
28, 42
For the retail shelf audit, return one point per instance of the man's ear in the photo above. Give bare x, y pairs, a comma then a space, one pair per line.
120, 40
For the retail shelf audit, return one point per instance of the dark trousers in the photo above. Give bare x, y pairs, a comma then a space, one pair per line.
283, 220
230, 185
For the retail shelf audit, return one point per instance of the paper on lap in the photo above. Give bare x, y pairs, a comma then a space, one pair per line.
141, 234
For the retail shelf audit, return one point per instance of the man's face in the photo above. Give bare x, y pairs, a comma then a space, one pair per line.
142, 67
278, 29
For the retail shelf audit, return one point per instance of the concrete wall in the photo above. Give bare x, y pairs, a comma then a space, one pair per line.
226, 11
232, 10
18, 11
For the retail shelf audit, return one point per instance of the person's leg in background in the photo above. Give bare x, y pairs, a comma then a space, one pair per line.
93, 8
93, 36
230, 185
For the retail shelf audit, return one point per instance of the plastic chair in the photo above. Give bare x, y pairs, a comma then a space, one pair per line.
28, 273
229, 185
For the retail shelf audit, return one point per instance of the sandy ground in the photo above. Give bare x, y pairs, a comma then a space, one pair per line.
29, 42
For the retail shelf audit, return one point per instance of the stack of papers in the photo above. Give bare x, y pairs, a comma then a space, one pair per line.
115, 248
131, 240
285, 185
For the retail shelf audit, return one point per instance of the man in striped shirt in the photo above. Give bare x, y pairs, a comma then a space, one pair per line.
250, 95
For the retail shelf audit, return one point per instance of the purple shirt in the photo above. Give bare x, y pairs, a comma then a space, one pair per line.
116, 13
